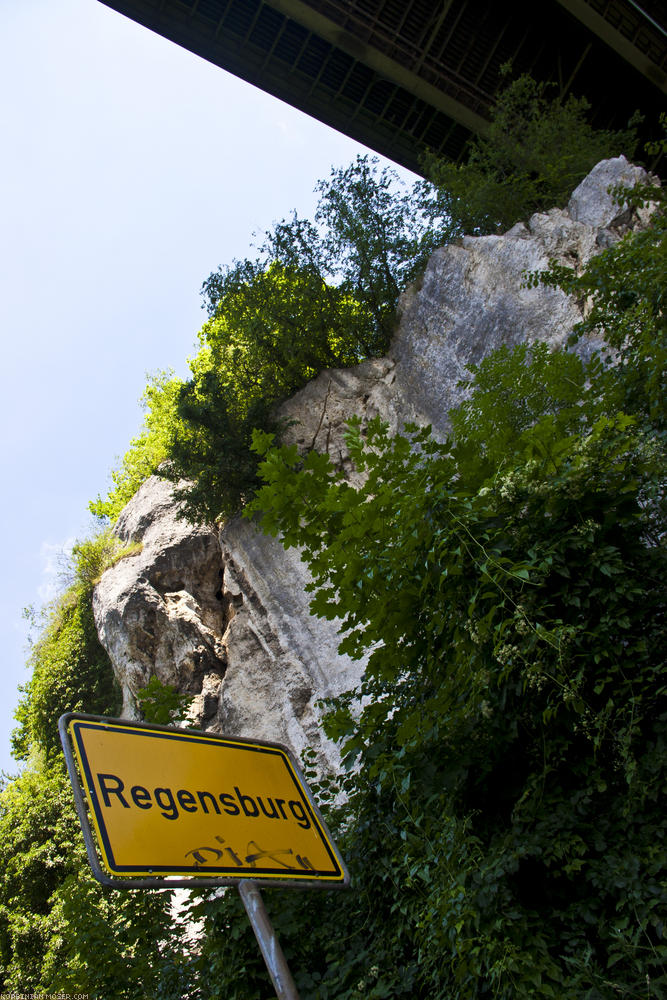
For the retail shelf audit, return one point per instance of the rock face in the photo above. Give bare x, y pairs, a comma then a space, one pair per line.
471, 300
224, 616
159, 611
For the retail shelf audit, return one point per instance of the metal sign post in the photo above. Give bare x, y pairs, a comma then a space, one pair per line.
269, 945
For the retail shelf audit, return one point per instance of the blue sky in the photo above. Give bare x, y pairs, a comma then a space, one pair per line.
130, 169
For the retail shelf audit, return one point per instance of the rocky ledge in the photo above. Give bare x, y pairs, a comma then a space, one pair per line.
223, 614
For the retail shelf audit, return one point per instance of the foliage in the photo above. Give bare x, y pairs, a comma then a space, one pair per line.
368, 238
70, 670
275, 328
506, 750
513, 390
148, 451
348, 945
505, 754
514, 760
318, 295
35, 835
537, 149
323, 293
59, 929
624, 291
163, 703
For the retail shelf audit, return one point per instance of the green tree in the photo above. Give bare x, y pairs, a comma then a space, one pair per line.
324, 293
318, 295
510, 730
624, 288
70, 670
537, 149
60, 930
369, 238
274, 329
148, 451
508, 588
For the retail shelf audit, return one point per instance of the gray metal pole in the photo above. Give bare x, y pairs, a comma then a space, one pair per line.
276, 963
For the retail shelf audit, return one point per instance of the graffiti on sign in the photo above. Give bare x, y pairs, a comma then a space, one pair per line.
168, 802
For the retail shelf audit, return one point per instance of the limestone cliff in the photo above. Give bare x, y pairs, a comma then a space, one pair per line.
224, 615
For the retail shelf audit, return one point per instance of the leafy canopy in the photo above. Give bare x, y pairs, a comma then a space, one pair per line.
507, 591
323, 293
59, 929
503, 825
537, 149
274, 329
148, 450
319, 294
70, 670
624, 289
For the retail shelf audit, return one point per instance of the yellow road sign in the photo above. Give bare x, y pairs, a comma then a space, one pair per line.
168, 802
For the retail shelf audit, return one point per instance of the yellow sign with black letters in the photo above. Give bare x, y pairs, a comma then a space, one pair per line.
171, 802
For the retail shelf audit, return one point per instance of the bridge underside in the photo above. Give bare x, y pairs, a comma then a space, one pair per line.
404, 75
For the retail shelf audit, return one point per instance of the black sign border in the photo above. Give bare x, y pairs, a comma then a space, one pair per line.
261, 876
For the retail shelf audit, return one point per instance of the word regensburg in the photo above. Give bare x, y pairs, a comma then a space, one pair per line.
167, 801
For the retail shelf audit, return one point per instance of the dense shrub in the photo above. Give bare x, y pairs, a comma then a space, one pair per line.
536, 151
505, 754
60, 930
507, 745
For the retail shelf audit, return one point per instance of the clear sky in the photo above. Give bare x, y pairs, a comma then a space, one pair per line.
129, 170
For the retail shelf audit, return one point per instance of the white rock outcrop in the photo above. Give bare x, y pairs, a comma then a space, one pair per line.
224, 615
159, 611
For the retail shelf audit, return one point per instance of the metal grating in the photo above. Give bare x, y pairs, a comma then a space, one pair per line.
402, 75
291, 42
